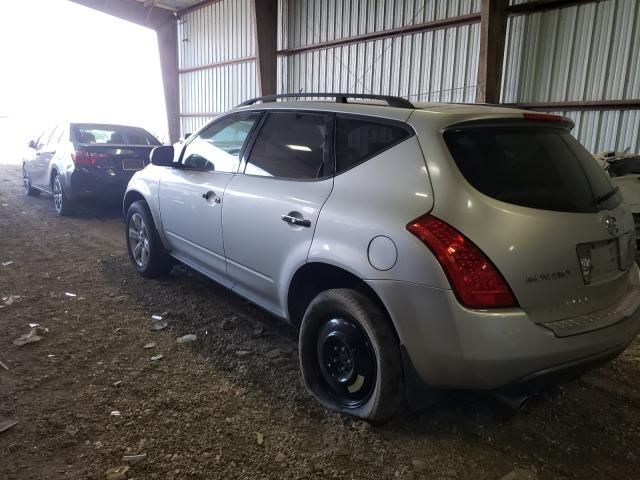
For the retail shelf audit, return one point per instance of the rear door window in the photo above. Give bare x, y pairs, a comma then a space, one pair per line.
290, 145
357, 140
531, 166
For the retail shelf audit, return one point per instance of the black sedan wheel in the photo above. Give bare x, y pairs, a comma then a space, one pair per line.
62, 203
26, 182
349, 355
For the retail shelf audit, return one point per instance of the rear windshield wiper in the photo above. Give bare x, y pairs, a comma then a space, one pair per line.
607, 196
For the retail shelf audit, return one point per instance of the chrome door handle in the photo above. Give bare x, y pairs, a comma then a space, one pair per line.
290, 219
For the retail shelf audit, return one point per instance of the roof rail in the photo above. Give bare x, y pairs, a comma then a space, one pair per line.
392, 101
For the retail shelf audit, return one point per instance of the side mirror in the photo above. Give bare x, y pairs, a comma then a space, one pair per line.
162, 156
187, 135
32, 144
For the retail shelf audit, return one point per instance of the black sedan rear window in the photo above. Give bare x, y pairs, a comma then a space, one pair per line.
112, 135
531, 166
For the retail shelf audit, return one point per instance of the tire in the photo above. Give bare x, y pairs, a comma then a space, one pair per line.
146, 252
26, 181
61, 202
349, 356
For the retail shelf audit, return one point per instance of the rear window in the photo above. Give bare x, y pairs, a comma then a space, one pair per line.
536, 167
358, 140
112, 135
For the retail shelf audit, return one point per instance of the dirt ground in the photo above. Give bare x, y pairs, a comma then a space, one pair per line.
197, 412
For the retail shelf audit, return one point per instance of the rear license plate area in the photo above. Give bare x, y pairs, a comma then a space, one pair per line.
132, 164
627, 251
600, 261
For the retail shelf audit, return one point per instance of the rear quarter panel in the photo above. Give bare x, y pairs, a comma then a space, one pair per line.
524, 243
379, 198
62, 163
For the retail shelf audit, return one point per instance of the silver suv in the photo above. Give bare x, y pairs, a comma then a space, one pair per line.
417, 247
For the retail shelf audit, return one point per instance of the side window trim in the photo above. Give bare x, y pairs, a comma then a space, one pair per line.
380, 121
328, 151
251, 140
63, 130
181, 159
330, 164
46, 137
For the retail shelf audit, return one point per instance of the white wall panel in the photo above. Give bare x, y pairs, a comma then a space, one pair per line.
438, 65
306, 22
588, 52
606, 130
216, 60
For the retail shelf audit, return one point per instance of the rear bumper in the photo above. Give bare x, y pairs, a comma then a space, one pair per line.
453, 347
83, 183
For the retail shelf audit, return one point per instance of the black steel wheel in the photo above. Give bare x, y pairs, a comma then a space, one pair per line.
346, 361
349, 355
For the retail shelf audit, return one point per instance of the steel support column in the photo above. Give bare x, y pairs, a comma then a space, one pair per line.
266, 25
168, 49
493, 28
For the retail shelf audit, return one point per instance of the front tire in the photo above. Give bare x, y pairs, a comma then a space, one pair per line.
61, 202
349, 356
146, 252
26, 181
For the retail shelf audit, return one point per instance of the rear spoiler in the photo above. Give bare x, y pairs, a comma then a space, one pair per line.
527, 118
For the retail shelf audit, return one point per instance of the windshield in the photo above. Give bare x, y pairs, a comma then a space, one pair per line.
532, 166
112, 135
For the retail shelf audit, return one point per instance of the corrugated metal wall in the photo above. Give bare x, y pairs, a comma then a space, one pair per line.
588, 52
438, 65
217, 65
606, 130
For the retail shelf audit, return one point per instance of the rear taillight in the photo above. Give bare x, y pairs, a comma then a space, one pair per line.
475, 280
81, 157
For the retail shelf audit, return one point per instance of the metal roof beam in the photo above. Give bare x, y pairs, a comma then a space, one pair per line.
537, 6
130, 10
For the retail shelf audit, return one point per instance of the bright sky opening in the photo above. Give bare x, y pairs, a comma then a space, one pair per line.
62, 61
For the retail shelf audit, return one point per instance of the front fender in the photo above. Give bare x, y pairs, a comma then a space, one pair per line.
145, 184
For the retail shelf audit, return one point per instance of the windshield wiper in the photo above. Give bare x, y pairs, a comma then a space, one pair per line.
607, 196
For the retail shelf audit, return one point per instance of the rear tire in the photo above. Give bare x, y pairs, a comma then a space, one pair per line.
349, 356
146, 252
61, 202
26, 181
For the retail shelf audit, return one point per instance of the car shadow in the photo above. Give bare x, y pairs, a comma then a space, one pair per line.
100, 209
89, 208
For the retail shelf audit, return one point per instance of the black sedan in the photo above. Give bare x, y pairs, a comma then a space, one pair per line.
73, 161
